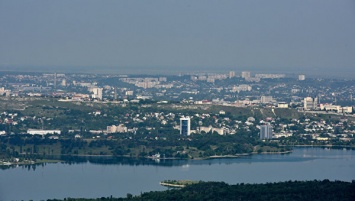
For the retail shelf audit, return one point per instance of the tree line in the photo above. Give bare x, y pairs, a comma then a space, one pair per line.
290, 190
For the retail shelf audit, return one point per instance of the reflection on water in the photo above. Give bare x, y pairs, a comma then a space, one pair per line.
298, 155
94, 177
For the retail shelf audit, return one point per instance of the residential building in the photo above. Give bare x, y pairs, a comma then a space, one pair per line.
266, 131
129, 93
252, 79
282, 105
220, 131
310, 103
97, 93
231, 74
336, 108
266, 99
42, 132
301, 77
64, 82
270, 76
242, 87
245, 74
185, 126
117, 129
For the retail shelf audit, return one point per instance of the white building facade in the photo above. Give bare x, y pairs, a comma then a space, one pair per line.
265, 132
185, 126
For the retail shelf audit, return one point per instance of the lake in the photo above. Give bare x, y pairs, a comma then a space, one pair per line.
103, 177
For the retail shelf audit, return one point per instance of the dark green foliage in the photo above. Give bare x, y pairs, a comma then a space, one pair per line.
310, 190
291, 191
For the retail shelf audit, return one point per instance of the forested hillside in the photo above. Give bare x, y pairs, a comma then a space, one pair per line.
291, 191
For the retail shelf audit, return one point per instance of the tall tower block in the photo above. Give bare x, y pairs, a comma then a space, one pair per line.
185, 126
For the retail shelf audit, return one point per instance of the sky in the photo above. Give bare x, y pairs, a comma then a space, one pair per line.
179, 35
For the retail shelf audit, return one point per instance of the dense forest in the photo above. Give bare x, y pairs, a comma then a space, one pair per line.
290, 190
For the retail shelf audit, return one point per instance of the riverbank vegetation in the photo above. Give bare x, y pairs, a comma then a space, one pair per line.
291, 190
169, 146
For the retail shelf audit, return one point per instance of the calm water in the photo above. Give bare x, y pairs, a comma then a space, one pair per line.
105, 177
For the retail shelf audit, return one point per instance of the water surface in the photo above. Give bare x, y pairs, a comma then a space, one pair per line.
93, 178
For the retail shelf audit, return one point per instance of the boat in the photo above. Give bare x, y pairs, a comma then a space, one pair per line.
156, 156
6, 163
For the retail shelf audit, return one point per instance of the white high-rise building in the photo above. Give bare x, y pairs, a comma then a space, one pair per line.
301, 77
231, 74
185, 126
64, 83
97, 93
310, 103
266, 131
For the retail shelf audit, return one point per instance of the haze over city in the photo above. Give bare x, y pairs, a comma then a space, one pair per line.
177, 100
311, 37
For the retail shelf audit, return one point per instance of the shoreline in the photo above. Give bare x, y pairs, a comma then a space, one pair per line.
43, 161
32, 162
177, 183
172, 185
328, 145
29, 162
278, 152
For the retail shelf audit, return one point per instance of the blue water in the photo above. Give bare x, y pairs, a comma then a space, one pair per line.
93, 180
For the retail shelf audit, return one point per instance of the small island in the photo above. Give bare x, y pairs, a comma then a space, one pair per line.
178, 183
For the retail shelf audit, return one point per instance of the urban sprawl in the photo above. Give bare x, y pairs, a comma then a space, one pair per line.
278, 108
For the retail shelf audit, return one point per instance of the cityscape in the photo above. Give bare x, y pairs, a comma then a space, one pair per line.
177, 100
282, 108
47, 118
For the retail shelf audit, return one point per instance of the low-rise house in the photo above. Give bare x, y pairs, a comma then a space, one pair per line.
117, 129
42, 132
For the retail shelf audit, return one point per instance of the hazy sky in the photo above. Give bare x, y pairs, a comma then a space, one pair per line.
201, 34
